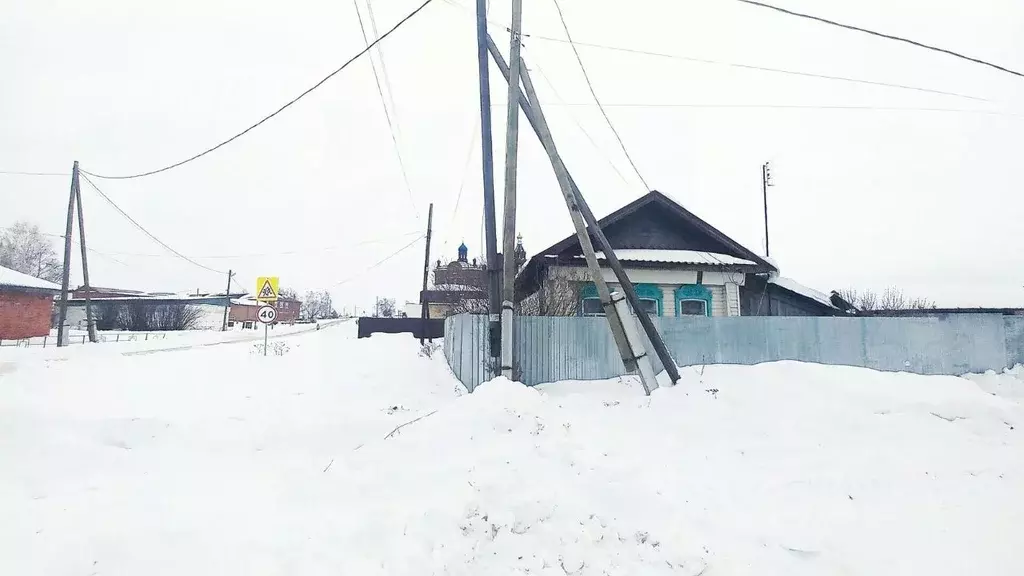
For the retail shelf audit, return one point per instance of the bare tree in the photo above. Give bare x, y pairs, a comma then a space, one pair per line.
386, 308
892, 298
317, 305
288, 293
25, 249
560, 296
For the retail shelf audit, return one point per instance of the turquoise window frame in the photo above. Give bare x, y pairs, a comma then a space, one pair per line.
588, 291
643, 292
693, 292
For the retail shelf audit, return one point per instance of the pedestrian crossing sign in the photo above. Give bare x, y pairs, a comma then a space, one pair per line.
266, 289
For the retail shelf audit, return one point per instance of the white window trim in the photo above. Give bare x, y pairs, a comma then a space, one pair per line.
701, 300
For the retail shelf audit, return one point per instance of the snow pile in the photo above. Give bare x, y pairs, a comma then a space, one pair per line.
1009, 383
776, 469
364, 457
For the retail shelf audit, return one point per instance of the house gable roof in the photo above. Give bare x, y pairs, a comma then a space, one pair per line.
662, 212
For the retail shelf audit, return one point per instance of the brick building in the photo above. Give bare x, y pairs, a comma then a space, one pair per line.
244, 310
26, 304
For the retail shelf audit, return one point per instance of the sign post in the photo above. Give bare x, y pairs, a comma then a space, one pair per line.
267, 315
266, 294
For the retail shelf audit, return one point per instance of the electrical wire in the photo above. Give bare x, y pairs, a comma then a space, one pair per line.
462, 184
383, 65
274, 113
143, 229
760, 68
790, 107
739, 65
883, 35
78, 242
590, 85
19, 173
387, 114
380, 262
554, 91
273, 254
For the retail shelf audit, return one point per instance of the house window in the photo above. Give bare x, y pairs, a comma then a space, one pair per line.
649, 305
650, 297
591, 307
692, 308
693, 300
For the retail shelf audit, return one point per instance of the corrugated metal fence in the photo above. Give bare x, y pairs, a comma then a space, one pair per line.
549, 349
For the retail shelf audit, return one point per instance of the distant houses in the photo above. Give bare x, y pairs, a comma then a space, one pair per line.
243, 311
25, 305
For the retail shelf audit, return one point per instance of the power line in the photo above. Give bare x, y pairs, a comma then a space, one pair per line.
789, 107
18, 173
558, 97
739, 65
143, 229
760, 68
389, 257
387, 114
272, 254
883, 35
383, 64
590, 85
274, 113
462, 184
78, 241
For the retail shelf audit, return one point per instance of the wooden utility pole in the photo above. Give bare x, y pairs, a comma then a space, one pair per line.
62, 316
540, 126
487, 161
227, 303
536, 119
766, 181
424, 305
90, 322
511, 161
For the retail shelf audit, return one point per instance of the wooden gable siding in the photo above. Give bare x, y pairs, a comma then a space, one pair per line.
652, 228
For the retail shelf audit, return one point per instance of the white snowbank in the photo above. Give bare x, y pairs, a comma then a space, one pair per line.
215, 461
1009, 383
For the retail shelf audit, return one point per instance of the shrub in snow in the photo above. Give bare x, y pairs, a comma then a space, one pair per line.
273, 348
428, 349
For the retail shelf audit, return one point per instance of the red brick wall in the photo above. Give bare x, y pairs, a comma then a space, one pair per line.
24, 315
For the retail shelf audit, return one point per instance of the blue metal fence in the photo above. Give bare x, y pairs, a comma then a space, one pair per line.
548, 349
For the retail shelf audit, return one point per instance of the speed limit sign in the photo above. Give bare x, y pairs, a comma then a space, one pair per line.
266, 314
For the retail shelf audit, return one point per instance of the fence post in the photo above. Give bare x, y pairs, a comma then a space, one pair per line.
147, 337
44, 341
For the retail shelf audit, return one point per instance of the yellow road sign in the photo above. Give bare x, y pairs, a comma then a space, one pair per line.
266, 289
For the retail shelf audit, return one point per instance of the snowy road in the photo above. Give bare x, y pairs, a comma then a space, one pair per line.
218, 461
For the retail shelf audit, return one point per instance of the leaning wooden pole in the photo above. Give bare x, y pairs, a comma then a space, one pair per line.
508, 238
487, 162
534, 118
90, 320
62, 315
615, 322
424, 303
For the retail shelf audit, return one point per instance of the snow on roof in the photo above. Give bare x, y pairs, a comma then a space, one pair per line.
16, 279
794, 286
678, 257
244, 302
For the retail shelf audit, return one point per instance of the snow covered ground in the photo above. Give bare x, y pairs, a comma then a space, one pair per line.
218, 461
143, 342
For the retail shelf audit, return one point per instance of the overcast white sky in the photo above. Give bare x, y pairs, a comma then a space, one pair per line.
923, 199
